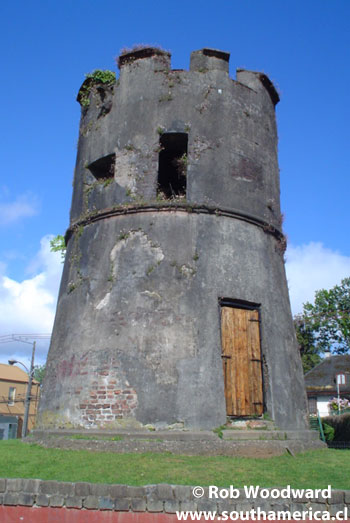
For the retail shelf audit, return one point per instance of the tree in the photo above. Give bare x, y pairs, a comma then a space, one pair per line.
39, 372
329, 318
58, 244
307, 344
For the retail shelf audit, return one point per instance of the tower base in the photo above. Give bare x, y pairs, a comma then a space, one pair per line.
244, 443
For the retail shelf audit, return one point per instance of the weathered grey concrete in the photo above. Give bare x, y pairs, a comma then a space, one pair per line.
180, 435
136, 338
248, 443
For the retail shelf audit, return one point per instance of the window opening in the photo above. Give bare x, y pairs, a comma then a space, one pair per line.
103, 168
172, 170
312, 401
12, 394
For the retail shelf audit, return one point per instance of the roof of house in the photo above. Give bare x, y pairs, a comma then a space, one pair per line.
13, 373
323, 377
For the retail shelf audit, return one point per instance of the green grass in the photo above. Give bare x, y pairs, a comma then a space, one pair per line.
313, 469
95, 438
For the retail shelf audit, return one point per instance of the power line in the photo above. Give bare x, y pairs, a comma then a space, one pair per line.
6, 338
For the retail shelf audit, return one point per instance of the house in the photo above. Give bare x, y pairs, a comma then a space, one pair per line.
321, 383
13, 388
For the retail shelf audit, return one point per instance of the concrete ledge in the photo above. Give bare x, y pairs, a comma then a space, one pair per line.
181, 435
249, 443
169, 435
281, 435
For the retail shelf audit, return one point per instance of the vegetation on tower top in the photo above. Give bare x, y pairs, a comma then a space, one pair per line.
98, 76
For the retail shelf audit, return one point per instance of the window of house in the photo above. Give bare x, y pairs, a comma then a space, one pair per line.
172, 167
12, 395
12, 434
340, 379
312, 405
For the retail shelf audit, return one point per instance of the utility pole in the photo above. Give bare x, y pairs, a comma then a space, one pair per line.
28, 395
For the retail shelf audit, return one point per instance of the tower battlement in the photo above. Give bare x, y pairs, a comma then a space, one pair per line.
124, 129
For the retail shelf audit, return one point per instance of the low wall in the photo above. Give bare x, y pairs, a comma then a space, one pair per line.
80, 502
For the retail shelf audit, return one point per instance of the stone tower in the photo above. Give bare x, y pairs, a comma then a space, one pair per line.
173, 306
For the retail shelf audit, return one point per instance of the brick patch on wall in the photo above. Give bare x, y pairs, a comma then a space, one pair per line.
107, 402
108, 397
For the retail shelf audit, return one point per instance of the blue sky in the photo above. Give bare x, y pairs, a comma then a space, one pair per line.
48, 46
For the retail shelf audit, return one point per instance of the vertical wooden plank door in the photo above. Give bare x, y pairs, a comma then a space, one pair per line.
241, 356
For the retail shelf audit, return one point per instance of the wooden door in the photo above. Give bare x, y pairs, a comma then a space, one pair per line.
241, 358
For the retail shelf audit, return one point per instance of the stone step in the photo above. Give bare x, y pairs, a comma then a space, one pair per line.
168, 435
193, 444
182, 435
247, 424
268, 435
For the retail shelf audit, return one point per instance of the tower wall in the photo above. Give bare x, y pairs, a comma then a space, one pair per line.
137, 335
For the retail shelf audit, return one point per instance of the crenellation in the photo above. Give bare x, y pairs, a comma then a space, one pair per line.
156, 54
207, 59
255, 80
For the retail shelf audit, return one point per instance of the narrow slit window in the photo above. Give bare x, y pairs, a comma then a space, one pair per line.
103, 168
172, 170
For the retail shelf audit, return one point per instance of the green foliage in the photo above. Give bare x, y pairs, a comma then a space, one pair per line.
103, 77
307, 345
39, 373
181, 164
339, 406
94, 438
150, 269
218, 431
340, 425
166, 98
328, 431
107, 181
313, 469
98, 76
329, 318
58, 244
123, 235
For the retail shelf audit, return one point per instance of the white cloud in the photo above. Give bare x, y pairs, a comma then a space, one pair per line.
23, 206
28, 306
313, 267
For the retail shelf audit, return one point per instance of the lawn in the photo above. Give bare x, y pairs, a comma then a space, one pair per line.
313, 469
